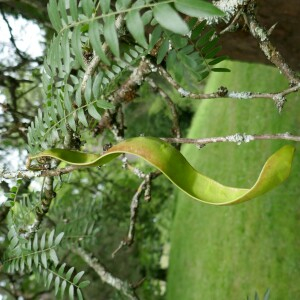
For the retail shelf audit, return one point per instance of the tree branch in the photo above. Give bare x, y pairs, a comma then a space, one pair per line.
270, 51
12, 39
235, 138
125, 93
279, 98
48, 195
122, 286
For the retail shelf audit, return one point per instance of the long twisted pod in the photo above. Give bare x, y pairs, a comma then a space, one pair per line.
177, 169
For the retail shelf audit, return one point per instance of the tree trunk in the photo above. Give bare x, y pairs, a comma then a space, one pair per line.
285, 36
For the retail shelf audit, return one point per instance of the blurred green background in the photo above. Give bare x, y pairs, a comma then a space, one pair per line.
231, 252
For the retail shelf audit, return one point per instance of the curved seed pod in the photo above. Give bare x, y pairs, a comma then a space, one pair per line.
178, 170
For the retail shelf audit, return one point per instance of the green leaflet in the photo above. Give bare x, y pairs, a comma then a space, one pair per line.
177, 169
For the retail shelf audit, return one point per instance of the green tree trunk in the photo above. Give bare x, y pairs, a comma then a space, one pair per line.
231, 252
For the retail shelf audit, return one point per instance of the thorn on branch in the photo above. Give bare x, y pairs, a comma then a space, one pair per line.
270, 30
270, 51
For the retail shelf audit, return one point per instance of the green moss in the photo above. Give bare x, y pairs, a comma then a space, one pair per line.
229, 252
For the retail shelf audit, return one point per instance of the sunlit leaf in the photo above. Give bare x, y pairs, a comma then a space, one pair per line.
71, 292
79, 294
104, 104
44, 259
49, 279
88, 90
88, 7
63, 288
94, 34
58, 238
198, 8
168, 18
50, 238
77, 47
135, 26
83, 284
62, 9
54, 16
69, 273
53, 257
61, 269
73, 9
56, 284
93, 112
35, 242
82, 118
110, 34
97, 84
43, 241
77, 277
105, 5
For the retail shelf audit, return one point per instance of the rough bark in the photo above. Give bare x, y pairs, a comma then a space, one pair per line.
285, 36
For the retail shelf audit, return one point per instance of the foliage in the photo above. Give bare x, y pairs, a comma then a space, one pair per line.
98, 45
37, 254
74, 98
110, 67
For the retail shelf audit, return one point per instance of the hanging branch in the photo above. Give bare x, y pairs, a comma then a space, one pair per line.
144, 188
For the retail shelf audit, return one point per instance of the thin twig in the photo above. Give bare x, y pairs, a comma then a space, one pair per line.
230, 8
120, 285
279, 97
233, 24
129, 86
144, 187
22, 55
41, 173
176, 127
133, 215
237, 138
